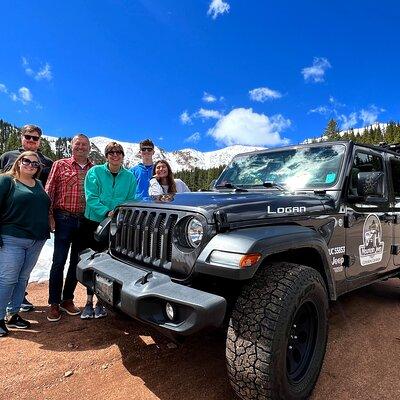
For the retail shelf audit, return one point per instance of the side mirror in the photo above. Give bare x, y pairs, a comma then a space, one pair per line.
370, 184
212, 184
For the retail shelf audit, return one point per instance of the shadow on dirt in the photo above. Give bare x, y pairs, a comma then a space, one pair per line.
198, 364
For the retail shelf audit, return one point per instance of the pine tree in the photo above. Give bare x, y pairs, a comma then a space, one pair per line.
13, 141
45, 149
332, 130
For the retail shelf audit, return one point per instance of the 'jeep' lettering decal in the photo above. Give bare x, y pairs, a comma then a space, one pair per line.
286, 210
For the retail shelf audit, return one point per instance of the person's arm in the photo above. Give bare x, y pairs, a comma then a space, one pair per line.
5, 186
131, 195
155, 188
6, 162
2, 162
52, 183
50, 188
182, 186
92, 194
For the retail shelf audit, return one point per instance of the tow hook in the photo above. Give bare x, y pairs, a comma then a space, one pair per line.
145, 278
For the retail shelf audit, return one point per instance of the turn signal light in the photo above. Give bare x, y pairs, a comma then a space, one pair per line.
249, 259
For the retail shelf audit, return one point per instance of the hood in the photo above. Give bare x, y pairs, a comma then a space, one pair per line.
246, 206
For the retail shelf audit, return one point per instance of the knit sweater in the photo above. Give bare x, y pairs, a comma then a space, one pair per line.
24, 210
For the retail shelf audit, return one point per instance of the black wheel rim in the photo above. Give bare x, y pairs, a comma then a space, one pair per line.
301, 342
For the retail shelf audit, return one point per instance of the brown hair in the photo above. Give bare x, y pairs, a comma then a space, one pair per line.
146, 143
31, 128
113, 146
170, 176
15, 169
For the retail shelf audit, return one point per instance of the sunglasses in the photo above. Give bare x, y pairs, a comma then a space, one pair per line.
115, 152
30, 137
146, 149
27, 161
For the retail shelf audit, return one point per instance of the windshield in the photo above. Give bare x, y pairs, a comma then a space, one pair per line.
302, 168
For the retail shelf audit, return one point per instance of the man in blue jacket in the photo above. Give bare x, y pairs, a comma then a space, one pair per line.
143, 172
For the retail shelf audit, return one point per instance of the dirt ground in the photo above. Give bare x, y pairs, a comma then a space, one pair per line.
117, 358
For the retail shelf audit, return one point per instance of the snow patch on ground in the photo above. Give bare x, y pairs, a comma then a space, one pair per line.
41, 271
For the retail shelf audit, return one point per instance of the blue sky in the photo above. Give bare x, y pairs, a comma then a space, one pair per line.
199, 73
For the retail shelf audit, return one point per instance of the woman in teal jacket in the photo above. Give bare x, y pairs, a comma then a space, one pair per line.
106, 186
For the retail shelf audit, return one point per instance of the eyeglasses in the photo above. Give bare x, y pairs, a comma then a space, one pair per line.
27, 161
146, 149
115, 152
30, 137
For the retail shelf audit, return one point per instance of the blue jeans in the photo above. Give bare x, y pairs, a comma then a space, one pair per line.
18, 256
70, 232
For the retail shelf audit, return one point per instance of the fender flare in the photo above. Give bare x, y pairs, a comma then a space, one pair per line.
266, 240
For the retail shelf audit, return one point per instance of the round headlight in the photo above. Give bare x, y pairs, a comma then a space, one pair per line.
194, 232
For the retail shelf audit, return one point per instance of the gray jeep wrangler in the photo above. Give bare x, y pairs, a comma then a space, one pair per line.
282, 233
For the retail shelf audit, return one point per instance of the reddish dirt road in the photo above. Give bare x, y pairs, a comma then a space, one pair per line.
117, 358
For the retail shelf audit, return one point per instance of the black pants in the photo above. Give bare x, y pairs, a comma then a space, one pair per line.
71, 232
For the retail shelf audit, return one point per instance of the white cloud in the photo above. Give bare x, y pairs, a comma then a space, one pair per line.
44, 73
316, 73
263, 93
349, 121
209, 98
218, 7
370, 115
207, 114
25, 95
27, 68
185, 118
193, 138
331, 108
243, 126
323, 110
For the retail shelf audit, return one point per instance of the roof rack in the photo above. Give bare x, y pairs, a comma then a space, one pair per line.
393, 146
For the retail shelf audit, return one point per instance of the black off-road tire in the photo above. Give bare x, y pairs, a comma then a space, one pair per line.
277, 334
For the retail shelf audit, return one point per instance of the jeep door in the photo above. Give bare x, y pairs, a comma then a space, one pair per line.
394, 166
368, 231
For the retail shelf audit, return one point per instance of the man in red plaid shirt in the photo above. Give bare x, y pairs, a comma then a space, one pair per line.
65, 189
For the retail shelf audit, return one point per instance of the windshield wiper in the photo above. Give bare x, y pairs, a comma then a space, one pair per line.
230, 186
272, 184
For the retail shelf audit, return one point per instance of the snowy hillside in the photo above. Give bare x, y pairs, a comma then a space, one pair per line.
184, 159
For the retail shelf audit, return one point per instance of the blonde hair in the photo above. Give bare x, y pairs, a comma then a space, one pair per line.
15, 169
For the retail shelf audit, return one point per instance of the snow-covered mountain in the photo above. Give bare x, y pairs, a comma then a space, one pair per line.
185, 159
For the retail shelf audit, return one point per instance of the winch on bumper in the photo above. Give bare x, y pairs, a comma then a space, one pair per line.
150, 296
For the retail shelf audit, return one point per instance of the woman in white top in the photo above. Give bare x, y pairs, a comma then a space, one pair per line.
163, 181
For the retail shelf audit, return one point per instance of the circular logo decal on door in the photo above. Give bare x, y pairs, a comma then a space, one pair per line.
371, 251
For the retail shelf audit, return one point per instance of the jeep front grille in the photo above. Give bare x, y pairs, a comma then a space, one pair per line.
145, 236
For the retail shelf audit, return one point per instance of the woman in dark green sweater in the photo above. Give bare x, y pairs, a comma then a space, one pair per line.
24, 228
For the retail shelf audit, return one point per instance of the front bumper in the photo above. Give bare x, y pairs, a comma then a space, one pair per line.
143, 295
